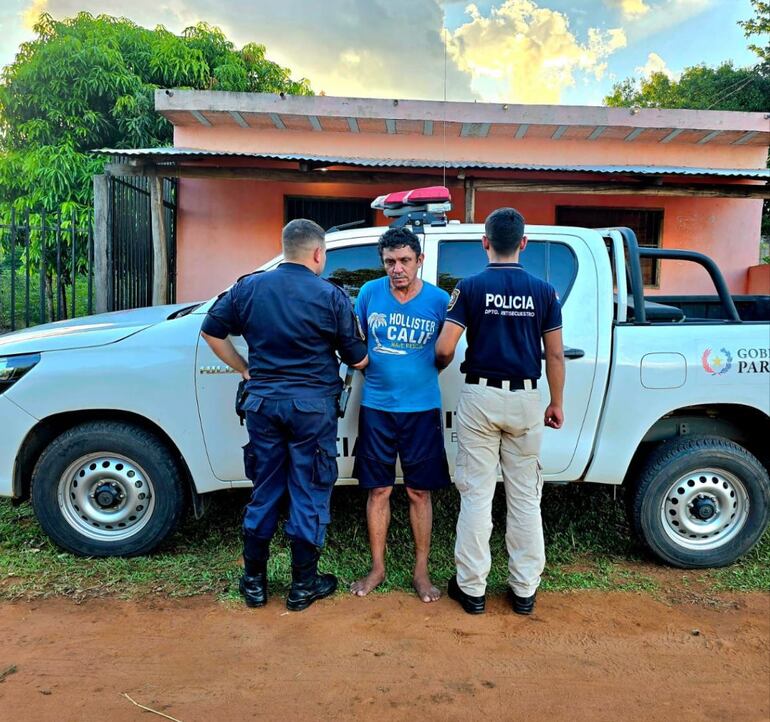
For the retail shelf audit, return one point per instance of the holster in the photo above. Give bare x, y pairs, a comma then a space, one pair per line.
344, 397
240, 399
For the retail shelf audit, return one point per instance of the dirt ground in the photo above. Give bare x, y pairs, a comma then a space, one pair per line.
583, 655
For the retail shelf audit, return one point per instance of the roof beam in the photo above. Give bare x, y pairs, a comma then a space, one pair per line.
559, 132
353, 125
277, 122
709, 137
596, 132
673, 134
634, 134
173, 100
200, 118
711, 190
277, 175
427, 127
599, 187
474, 130
521, 131
390, 126
314, 122
238, 118
745, 138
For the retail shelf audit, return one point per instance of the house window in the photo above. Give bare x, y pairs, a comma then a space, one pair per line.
553, 262
329, 212
353, 266
645, 223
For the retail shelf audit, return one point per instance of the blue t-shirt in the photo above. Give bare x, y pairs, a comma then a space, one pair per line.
506, 311
401, 337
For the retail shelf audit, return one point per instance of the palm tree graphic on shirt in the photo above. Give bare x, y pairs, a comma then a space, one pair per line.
375, 321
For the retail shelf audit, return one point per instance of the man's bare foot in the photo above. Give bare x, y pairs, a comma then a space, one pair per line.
425, 589
363, 586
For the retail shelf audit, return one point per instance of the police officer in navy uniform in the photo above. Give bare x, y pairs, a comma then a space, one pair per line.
293, 323
507, 313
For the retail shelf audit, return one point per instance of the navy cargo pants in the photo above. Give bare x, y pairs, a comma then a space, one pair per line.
292, 451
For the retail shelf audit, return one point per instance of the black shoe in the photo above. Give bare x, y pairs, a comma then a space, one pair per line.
303, 594
472, 605
522, 605
254, 590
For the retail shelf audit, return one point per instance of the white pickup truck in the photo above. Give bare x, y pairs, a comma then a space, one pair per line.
114, 424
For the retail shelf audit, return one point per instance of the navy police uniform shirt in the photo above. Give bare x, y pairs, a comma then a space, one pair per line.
293, 322
506, 311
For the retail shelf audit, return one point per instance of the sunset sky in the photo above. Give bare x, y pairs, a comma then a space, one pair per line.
521, 51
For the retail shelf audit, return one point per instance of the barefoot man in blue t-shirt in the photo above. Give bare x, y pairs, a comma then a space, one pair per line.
401, 405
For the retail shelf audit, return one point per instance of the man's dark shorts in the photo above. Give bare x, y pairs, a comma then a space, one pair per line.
417, 437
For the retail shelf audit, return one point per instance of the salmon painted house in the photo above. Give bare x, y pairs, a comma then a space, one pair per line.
246, 163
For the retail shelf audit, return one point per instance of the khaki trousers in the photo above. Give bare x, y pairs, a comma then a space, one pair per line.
498, 426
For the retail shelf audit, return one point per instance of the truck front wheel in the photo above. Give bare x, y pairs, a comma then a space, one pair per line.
700, 502
107, 488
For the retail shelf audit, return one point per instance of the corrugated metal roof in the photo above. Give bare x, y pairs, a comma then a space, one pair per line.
192, 153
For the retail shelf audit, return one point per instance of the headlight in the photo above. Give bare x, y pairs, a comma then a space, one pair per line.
12, 368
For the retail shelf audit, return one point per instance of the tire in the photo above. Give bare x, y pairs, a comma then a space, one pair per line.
106, 489
700, 501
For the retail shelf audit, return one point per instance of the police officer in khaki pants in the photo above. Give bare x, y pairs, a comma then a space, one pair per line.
507, 312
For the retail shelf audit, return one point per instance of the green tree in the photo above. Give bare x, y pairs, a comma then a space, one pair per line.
724, 87
88, 82
759, 25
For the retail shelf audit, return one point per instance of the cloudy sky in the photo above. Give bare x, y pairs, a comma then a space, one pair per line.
522, 51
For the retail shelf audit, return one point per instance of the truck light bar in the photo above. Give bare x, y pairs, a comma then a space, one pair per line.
411, 200
417, 206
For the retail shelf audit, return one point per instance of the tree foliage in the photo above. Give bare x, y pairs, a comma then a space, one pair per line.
88, 82
724, 87
759, 25
700, 87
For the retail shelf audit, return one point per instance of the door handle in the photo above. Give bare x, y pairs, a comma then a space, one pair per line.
569, 353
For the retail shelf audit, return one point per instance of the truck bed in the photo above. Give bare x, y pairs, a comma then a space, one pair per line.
704, 308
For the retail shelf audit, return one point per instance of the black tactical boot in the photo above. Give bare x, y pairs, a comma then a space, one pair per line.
253, 584
522, 605
472, 605
307, 585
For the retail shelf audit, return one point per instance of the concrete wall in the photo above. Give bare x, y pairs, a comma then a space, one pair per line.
229, 227
725, 229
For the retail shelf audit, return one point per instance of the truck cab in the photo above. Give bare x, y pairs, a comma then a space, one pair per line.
453, 251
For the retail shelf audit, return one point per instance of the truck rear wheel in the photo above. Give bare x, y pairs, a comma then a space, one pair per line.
700, 502
107, 489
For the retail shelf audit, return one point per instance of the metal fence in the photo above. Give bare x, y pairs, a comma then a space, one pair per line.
47, 260
46, 269
131, 241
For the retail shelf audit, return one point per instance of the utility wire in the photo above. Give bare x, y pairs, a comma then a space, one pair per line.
444, 143
721, 96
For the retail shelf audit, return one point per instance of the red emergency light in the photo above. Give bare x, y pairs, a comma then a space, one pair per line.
432, 199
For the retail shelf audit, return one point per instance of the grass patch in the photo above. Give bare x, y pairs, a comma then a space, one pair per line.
588, 545
751, 573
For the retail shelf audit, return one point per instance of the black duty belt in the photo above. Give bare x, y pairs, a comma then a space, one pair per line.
508, 384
